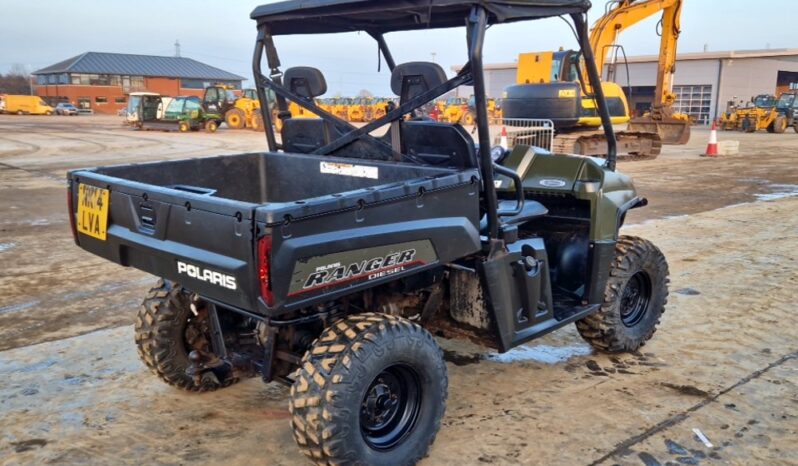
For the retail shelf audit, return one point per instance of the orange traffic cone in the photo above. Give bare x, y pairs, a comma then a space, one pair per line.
712, 147
503, 139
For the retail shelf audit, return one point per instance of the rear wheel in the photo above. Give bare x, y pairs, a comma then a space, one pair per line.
371, 390
184, 127
634, 298
211, 126
167, 331
235, 118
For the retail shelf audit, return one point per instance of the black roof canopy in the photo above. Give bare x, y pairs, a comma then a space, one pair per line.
381, 16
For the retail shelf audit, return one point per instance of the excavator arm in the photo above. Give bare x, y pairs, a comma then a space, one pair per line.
625, 14
672, 128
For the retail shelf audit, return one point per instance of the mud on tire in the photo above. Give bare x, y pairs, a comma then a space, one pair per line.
634, 298
370, 390
161, 333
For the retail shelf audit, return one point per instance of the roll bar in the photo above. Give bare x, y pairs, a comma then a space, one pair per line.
473, 73
595, 82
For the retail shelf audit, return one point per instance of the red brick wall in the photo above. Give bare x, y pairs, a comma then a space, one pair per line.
163, 86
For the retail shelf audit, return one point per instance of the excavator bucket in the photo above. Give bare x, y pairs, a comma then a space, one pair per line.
672, 131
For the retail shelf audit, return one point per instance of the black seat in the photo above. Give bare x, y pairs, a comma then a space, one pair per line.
440, 144
412, 79
531, 210
304, 135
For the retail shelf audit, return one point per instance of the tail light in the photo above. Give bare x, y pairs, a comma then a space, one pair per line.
264, 269
71, 207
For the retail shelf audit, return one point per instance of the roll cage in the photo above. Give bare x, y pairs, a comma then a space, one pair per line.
378, 17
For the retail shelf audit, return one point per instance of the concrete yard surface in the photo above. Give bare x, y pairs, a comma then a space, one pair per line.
724, 360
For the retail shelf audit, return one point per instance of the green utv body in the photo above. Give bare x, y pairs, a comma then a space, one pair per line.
328, 262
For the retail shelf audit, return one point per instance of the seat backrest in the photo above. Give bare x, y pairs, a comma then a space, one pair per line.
304, 135
439, 144
411, 79
305, 81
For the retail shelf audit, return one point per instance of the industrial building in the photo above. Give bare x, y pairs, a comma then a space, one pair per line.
704, 82
101, 82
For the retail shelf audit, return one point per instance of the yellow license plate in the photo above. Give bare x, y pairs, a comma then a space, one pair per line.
92, 211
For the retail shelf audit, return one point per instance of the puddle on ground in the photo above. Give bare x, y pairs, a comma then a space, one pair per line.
6, 246
10, 309
780, 191
541, 353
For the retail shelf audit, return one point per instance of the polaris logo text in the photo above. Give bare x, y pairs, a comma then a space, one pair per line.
206, 275
369, 269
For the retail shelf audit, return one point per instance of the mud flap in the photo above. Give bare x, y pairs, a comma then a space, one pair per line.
519, 291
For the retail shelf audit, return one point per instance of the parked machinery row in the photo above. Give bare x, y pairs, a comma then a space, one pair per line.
764, 111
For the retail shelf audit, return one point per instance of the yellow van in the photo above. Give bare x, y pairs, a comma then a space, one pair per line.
24, 105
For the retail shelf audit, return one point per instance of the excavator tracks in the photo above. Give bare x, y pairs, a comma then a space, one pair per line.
632, 145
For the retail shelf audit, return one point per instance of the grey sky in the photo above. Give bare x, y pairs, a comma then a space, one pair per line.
41, 32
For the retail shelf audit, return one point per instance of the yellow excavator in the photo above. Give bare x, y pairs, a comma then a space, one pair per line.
555, 86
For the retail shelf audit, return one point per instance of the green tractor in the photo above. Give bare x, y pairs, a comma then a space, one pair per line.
184, 114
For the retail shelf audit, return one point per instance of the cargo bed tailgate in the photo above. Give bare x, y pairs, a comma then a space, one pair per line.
179, 233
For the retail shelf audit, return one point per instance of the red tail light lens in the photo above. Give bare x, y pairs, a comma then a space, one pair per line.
71, 207
264, 272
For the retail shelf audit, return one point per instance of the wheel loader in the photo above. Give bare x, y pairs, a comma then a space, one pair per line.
765, 111
456, 110
238, 112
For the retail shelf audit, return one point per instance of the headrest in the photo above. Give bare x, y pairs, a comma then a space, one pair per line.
305, 81
409, 80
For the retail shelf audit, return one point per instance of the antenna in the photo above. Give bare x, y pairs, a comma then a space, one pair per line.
177, 48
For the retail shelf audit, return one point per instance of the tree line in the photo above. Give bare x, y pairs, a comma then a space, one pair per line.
16, 81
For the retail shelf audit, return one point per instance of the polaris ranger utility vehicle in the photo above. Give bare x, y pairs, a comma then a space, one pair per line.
329, 262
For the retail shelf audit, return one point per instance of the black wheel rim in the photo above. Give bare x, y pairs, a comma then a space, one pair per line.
390, 407
635, 298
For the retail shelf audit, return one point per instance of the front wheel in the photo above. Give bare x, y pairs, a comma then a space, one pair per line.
184, 127
235, 118
634, 298
371, 390
211, 126
780, 124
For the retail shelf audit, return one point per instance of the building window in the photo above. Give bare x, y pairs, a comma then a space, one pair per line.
194, 84
137, 82
41, 79
695, 101
101, 100
52, 79
120, 100
84, 103
81, 79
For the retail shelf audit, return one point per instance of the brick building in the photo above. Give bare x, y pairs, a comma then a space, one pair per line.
101, 82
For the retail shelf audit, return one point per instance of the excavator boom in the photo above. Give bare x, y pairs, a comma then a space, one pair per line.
672, 128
